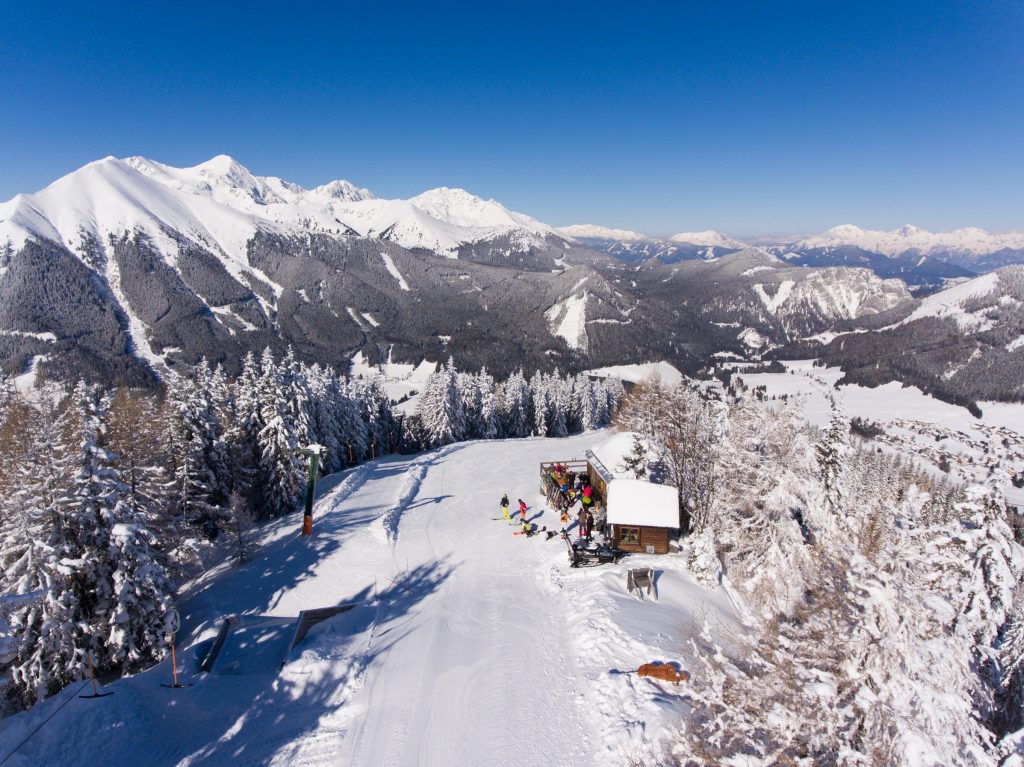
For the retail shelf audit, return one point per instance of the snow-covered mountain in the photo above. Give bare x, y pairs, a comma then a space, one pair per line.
601, 232
633, 247
709, 238
960, 245
220, 204
962, 344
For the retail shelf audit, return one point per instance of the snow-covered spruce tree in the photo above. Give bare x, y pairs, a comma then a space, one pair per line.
440, 408
589, 413
298, 397
241, 435
353, 435
471, 402
375, 406
829, 451
490, 425
141, 594
540, 404
201, 472
516, 406
45, 631
280, 466
558, 401
326, 409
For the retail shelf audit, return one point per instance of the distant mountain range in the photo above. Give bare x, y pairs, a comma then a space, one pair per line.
126, 269
924, 260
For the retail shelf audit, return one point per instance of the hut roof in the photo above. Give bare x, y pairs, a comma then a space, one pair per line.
638, 502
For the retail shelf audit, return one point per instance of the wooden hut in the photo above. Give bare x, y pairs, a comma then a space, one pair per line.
642, 515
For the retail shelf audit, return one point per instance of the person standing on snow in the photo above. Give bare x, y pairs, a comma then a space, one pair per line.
504, 507
522, 506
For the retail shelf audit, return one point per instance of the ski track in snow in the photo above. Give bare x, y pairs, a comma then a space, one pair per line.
468, 645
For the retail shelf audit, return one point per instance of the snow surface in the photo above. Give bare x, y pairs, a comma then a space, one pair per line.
568, 319
469, 645
663, 371
950, 302
639, 502
389, 264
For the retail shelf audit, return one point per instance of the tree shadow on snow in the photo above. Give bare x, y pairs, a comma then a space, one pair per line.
255, 712
280, 565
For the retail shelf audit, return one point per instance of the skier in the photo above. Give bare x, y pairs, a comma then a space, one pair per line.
522, 507
504, 507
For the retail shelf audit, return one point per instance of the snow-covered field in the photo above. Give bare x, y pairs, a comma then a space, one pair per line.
915, 423
469, 645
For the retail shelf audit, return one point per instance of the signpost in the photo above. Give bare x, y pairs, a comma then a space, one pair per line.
315, 453
173, 622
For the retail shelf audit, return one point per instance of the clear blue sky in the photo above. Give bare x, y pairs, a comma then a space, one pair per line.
744, 117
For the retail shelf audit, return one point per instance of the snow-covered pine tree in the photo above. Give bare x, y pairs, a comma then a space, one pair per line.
516, 406
281, 466
471, 403
241, 435
201, 473
558, 399
326, 408
440, 408
490, 425
589, 412
353, 435
299, 398
829, 451
141, 594
540, 405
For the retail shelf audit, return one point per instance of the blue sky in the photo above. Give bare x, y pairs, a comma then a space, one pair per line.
743, 117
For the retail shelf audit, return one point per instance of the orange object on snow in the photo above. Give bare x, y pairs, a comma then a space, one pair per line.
664, 672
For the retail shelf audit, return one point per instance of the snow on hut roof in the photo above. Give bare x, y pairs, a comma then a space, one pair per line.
613, 450
639, 502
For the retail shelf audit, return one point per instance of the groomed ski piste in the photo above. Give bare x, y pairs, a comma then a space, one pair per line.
468, 645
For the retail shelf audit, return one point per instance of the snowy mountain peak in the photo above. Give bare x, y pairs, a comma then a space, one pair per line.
343, 190
845, 230
708, 238
459, 207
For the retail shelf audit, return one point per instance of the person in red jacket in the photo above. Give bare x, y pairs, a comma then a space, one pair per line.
522, 507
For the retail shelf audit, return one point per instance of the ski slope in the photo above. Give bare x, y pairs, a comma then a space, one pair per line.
469, 645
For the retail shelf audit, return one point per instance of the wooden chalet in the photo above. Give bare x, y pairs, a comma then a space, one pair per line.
642, 515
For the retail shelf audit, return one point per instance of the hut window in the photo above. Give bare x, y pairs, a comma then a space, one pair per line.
629, 535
